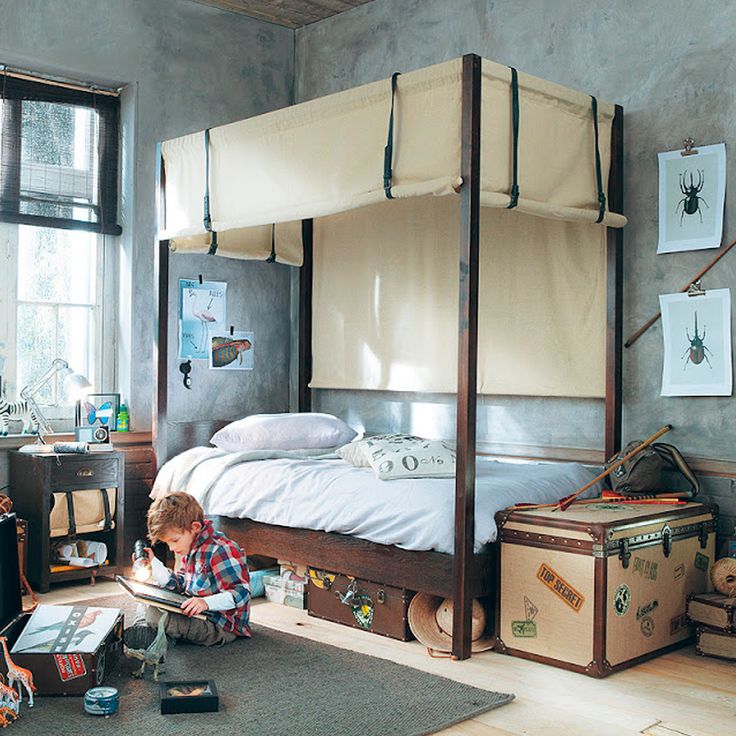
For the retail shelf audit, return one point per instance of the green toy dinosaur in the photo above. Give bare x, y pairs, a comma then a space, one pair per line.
154, 653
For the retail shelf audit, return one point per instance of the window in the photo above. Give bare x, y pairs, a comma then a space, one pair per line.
58, 197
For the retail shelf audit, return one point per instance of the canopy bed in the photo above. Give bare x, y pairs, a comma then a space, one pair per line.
516, 162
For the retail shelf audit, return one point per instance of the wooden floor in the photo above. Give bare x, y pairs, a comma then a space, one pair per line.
672, 695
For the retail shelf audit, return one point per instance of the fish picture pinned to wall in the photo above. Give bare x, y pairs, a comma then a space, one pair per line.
697, 343
231, 351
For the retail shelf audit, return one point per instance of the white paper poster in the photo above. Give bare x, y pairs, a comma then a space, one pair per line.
202, 306
692, 191
697, 344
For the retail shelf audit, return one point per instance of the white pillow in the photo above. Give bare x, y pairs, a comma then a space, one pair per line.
401, 456
304, 430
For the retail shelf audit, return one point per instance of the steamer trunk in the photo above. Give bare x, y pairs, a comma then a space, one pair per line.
362, 604
600, 587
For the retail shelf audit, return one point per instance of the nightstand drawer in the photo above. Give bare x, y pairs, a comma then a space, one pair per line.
85, 472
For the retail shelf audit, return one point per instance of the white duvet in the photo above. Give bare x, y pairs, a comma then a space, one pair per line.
301, 489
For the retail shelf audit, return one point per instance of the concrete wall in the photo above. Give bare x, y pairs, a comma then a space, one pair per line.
672, 73
671, 76
185, 67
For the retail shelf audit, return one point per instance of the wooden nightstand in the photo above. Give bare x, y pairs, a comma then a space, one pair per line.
34, 479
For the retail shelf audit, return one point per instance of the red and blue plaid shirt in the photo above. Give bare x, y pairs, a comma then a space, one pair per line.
216, 564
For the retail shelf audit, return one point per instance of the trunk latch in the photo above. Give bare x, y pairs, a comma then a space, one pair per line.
703, 535
624, 555
667, 540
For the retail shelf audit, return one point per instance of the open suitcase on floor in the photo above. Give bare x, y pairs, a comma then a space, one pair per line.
64, 669
601, 586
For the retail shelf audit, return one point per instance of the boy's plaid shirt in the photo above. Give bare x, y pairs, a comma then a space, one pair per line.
215, 564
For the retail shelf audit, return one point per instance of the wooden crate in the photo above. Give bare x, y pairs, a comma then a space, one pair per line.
600, 587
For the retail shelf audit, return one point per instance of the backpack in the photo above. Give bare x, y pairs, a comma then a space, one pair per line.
642, 473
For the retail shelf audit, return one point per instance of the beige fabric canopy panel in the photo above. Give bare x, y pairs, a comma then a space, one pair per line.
385, 272
385, 301
325, 156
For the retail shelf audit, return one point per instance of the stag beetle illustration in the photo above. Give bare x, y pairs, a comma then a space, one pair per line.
697, 350
690, 203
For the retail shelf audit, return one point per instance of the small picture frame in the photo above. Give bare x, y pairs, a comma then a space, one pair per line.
188, 696
96, 410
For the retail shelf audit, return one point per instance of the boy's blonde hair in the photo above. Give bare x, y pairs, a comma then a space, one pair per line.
175, 511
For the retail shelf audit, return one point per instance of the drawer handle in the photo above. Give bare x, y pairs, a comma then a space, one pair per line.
85, 473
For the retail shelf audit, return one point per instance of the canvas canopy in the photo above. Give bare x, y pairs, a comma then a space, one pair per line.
326, 156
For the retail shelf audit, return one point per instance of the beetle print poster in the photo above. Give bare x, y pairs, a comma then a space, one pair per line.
697, 344
231, 351
692, 191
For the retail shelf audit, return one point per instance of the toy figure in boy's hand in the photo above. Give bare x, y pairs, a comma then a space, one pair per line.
213, 572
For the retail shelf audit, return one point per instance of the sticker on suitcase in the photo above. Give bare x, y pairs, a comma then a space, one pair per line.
647, 626
622, 599
646, 609
646, 568
678, 623
701, 562
560, 587
524, 629
70, 666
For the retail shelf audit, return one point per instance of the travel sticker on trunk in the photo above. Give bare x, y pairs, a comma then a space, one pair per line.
559, 587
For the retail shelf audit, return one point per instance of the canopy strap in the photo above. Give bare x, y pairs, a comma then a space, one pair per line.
207, 217
598, 175
272, 257
388, 152
515, 118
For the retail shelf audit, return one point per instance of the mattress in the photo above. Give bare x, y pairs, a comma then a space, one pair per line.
333, 496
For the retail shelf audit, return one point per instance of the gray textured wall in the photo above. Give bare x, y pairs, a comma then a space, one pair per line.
187, 67
673, 77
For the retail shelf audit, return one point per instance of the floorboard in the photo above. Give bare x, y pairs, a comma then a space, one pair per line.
674, 695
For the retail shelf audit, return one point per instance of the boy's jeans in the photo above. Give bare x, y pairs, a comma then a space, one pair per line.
182, 628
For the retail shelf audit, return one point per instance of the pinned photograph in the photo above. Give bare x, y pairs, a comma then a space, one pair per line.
692, 191
231, 351
697, 344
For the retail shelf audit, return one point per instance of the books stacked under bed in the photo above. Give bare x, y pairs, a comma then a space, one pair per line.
714, 615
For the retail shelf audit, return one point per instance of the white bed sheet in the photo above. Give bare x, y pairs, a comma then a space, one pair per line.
334, 496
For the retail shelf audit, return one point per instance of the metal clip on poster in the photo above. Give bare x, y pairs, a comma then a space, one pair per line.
688, 144
232, 330
200, 279
695, 289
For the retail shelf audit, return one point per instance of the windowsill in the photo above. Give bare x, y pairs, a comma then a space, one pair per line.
13, 441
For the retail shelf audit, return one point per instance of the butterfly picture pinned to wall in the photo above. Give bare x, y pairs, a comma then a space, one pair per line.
99, 410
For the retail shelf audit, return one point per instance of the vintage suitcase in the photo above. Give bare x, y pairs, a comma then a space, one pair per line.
601, 586
714, 643
714, 610
361, 604
65, 671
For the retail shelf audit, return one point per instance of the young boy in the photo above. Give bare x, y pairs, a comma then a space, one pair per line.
213, 571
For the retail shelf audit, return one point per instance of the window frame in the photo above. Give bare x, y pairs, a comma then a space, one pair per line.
103, 313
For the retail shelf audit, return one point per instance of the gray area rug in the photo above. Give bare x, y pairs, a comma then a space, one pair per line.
271, 685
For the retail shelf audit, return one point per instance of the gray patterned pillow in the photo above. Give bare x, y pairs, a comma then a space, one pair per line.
393, 456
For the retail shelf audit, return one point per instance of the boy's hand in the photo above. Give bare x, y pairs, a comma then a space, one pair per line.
193, 606
148, 551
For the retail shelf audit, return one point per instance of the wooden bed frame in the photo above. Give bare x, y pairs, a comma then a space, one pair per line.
463, 575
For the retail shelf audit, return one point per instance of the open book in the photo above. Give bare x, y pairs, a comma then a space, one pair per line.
152, 595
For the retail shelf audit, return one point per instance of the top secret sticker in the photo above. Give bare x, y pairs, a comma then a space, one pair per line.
557, 585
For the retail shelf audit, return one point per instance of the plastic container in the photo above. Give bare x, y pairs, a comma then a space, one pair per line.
123, 423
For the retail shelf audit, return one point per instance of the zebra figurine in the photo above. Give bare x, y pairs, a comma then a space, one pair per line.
17, 411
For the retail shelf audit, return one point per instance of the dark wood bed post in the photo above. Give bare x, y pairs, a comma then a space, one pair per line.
614, 290
467, 359
304, 397
160, 332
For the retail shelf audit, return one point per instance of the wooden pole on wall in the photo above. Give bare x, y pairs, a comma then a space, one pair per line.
160, 332
304, 398
614, 291
467, 364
